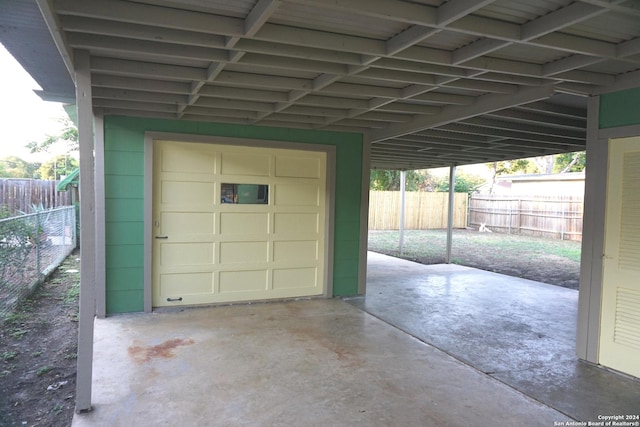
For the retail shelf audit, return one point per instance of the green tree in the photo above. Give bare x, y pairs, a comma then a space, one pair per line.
465, 183
389, 180
509, 167
67, 137
15, 167
58, 166
570, 162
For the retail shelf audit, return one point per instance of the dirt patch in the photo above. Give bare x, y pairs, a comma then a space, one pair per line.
38, 351
546, 269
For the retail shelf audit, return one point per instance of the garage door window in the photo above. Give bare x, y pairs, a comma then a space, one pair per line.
244, 194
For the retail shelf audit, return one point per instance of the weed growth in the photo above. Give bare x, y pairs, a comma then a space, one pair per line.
43, 370
9, 355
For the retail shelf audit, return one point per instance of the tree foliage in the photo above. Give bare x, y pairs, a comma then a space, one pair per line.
58, 166
67, 137
510, 167
570, 162
558, 163
389, 180
65, 141
422, 180
15, 167
465, 183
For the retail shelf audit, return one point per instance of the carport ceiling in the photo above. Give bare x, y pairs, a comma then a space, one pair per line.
432, 83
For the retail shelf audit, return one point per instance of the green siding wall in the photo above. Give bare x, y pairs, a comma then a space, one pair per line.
124, 199
620, 108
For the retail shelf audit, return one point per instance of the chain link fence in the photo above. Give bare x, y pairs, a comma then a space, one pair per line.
31, 247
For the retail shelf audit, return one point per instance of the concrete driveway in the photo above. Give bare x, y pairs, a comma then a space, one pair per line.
440, 345
298, 363
518, 331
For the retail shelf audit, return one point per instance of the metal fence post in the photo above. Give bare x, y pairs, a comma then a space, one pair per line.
32, 246
562, 223
519, 216
37, 241
403, 183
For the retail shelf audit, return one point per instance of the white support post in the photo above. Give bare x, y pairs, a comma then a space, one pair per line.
452, 194
100, 285
403, 178
87, 231
364, 215
595, 199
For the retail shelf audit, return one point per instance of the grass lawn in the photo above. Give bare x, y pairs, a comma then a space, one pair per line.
545, 260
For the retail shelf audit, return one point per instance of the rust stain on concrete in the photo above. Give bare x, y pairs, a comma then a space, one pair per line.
141, 354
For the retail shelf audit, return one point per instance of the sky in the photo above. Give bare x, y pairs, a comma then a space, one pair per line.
24, 116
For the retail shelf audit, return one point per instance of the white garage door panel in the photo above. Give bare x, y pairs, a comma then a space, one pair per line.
297, 194
245, 164
244, 223
295, 167
205, 251
244, 252
295, 251
177, 285
243, 281
180, 159
296, 223
186, 223
294, 278
179, 254
194, 161
187, 192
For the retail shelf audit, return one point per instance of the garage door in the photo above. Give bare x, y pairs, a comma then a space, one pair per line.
235, 223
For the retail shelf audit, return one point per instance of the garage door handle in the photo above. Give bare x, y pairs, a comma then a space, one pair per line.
162, 237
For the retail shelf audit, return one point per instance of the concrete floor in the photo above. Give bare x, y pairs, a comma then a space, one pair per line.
517, 331
329, 362
299, 363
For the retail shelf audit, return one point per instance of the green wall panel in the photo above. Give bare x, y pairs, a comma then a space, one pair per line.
124, 187
128, 233
347, 230
125, 279
124, 301
122, 209
124, 199
122, 162
620, 108
125, 255
346, 249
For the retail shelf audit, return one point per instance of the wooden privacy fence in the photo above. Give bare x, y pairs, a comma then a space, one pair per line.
422, 210
556, 217
19, 196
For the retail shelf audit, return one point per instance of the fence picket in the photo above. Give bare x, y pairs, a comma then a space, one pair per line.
424, 210
20, 195
546, 216
555, 217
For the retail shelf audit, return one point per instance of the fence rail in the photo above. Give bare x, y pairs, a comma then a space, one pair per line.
555, 217
19, 196
423, 210
31, 247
